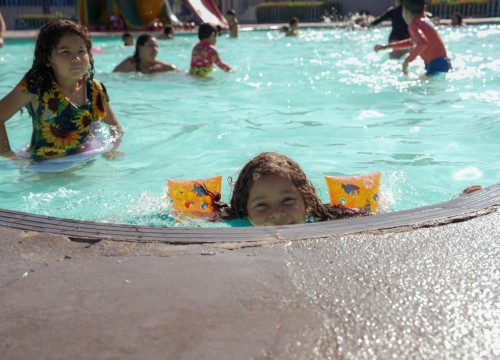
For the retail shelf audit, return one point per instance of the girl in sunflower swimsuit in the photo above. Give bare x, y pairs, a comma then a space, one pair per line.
204, 54
61, 95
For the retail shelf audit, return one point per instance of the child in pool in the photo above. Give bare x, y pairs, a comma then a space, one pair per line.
61, 95
293, 28
144, 59
128, 39
168, 33
204, 54
428, 43
272, 189
233, 23
457, 20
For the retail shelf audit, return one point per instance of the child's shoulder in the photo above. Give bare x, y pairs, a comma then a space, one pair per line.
34, 85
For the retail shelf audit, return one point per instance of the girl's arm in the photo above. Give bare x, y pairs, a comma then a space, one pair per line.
386, 16
216, 59
9, 105
115, 128
396, 45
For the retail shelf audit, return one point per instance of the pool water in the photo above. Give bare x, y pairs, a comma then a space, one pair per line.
326, 99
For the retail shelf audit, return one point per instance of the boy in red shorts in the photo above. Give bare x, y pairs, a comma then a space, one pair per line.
425, 40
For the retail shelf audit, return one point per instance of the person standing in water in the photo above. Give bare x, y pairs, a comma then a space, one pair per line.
399, 28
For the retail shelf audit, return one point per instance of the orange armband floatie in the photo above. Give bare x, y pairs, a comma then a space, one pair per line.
360, 191
194, 198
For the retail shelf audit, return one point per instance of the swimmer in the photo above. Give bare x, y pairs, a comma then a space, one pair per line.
144, 59
204, 54
233, 23
272, 189
167, 34
61, 95
457, 20
128, 39
293, 27
425, 40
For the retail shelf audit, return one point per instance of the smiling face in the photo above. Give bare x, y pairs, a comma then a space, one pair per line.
275, 200
70, 59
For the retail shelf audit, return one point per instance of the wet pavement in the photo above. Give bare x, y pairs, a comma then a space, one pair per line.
421, 293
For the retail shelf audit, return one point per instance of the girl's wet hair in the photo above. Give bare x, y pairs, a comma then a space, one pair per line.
274, 164
41, 75
141, 40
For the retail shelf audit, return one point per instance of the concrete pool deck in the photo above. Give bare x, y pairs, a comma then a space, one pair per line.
424, 285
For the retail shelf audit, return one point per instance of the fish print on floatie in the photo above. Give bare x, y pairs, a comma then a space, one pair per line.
350, 189
200, 190
367, 206
188, 203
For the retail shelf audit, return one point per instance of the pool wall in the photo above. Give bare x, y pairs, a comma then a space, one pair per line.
460, 209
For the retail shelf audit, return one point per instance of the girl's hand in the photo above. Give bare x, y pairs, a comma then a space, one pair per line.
8, 154
471, 189
113, 155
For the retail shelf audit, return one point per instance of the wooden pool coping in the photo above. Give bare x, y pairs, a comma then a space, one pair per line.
459, 209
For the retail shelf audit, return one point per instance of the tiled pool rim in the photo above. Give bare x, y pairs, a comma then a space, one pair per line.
459, 209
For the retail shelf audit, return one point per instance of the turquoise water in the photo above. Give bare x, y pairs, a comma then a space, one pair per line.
325, 99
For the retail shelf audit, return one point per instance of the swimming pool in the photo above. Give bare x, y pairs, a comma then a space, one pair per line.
325, 99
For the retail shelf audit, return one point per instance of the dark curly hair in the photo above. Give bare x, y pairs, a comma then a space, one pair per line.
41, 76
271, 163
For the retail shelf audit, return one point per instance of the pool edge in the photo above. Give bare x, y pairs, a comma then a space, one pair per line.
459, 209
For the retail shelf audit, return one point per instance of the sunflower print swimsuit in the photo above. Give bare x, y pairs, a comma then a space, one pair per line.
60, 128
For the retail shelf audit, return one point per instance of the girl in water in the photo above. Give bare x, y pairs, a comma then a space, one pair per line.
272, 189
61, 95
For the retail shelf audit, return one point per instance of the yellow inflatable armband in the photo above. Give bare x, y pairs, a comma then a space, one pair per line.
193, 197
360, 191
